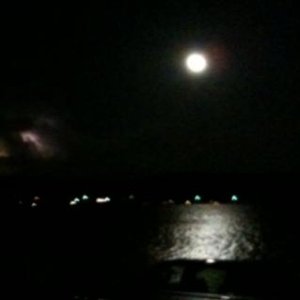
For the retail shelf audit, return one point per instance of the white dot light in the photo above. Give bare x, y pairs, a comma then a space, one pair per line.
210, 261
103, 200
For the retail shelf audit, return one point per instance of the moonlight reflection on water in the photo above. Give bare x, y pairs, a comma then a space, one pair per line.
225, 232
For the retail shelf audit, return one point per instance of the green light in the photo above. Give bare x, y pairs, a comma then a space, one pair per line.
197, 198
85, 197
234, 198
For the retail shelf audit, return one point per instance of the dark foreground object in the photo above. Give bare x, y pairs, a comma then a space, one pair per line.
189, 279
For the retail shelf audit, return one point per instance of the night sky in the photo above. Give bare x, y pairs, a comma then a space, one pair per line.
104, 88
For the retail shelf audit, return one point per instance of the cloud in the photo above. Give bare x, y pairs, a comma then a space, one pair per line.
37, 143
4, 150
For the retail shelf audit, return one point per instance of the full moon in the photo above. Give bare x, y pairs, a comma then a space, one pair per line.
196, 63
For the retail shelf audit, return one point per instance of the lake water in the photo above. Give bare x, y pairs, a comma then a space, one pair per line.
81, 247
